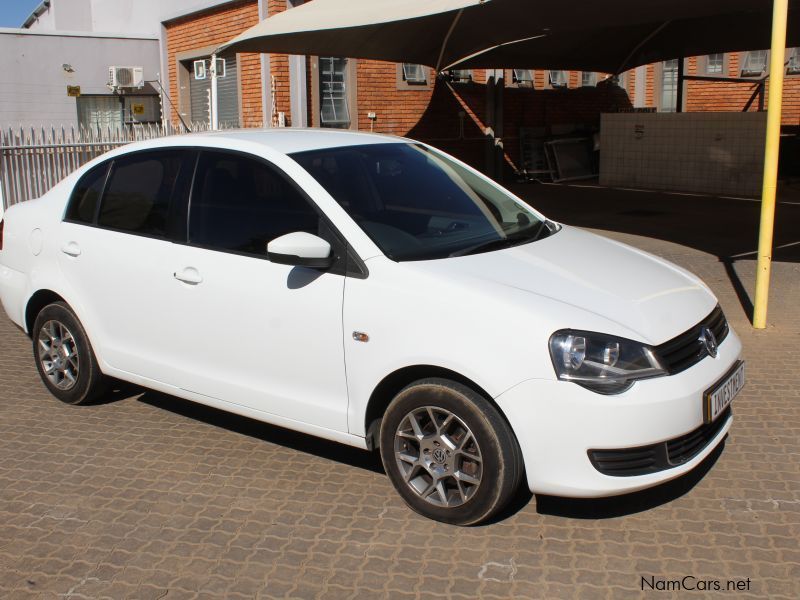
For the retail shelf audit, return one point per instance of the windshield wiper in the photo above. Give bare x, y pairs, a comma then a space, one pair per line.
520, 237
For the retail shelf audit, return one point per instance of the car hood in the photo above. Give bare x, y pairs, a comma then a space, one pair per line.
647, 297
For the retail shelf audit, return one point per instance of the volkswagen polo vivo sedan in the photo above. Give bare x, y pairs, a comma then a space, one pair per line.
377, 292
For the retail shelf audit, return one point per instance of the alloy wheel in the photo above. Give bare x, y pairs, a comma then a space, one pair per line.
58, 355
438, 456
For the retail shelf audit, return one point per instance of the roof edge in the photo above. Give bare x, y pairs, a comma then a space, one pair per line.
82, 34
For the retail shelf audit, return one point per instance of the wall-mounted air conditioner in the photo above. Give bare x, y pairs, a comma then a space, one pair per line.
125, 77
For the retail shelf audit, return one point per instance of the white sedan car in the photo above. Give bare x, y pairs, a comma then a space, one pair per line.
374, 291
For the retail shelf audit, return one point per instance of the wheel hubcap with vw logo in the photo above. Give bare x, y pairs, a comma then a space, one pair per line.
438, 456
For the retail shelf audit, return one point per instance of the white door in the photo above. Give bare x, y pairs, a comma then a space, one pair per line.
116, 255
255, 333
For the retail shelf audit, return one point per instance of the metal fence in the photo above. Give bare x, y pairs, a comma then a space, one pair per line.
32, 160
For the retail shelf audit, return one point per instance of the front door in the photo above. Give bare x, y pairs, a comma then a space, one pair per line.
252, 332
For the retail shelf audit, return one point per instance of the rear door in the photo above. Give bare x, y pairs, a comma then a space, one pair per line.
252, 332
116, 245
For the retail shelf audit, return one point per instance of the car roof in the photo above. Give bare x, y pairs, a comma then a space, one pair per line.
284, 140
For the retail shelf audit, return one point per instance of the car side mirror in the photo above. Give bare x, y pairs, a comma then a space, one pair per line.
300, 249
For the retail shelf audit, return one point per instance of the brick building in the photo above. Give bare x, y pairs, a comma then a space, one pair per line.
276, 90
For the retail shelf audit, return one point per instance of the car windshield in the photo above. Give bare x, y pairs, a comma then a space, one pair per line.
417, 204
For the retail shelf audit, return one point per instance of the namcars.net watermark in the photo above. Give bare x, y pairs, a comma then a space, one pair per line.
690, 583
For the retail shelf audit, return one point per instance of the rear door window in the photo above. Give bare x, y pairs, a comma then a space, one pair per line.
143, 190
86, 195
240, 204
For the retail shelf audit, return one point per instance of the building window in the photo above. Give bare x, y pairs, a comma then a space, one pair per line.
100, 112
557, 79
793, 65
754, 63
460, 75
522, 76
412, 77
334, 111
714, 64
669, 85
588, 79
414, 74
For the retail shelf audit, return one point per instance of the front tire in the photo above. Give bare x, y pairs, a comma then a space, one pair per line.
64, 357
449, 453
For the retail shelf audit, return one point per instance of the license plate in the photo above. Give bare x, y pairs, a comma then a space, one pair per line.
719, 397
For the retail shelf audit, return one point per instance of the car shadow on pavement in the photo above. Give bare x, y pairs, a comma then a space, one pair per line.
628, 504
287, 438
575, 508
116, 392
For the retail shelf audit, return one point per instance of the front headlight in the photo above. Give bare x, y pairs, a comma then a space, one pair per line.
602, 363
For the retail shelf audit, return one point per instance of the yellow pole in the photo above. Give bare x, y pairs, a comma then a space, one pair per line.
780, 10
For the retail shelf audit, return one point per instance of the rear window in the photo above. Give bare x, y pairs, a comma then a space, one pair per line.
86, 195
140, 191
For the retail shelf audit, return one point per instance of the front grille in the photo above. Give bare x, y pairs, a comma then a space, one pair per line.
628, 462
686, 447
686, 350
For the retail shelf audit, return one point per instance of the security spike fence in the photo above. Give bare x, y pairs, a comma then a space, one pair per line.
34, 159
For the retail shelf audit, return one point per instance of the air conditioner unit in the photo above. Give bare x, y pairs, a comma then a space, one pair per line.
125, 77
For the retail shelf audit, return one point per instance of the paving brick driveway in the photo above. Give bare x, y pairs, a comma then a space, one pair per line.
148, 496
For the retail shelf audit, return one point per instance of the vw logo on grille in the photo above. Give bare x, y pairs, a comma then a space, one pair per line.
439, 456
709, 340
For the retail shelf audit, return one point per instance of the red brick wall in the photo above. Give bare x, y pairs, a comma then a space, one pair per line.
719, 96
398, 110
217, 26
432, 112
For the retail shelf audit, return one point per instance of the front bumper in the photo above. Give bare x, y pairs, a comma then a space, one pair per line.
558, 422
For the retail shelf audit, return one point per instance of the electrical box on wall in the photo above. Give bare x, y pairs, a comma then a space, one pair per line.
142, 109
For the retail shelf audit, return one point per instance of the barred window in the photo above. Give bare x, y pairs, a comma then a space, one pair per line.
754, 63
558, 79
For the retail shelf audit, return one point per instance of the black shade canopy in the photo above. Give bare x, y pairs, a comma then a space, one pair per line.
608, 36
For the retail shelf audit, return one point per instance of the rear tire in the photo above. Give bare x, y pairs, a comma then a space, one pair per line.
64, 357
449, 453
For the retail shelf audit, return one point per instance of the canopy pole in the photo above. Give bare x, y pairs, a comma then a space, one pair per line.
780, 10
214, 94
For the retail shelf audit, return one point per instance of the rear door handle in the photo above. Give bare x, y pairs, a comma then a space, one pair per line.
189, 275
71, 249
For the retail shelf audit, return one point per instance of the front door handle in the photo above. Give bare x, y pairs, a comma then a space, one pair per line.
189, 275
71, 249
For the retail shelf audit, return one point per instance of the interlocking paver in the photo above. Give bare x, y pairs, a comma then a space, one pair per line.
148, 496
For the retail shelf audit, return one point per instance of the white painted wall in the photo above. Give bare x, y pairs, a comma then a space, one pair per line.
115, 16
33, 83
713, 153
73, 15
